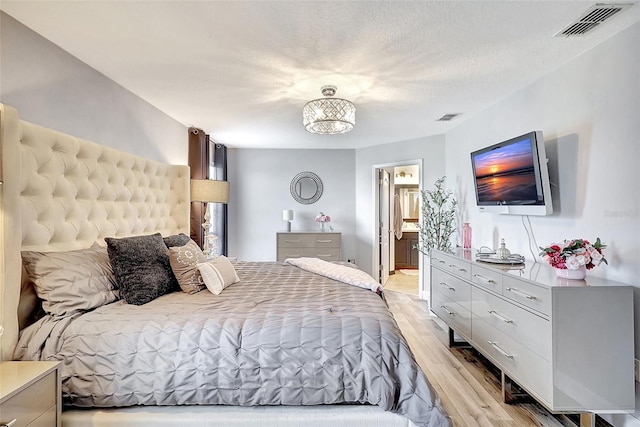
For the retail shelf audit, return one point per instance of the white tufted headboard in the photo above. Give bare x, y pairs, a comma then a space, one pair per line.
60, 193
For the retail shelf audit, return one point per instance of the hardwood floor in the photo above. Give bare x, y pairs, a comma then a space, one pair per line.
404, 283
469, 391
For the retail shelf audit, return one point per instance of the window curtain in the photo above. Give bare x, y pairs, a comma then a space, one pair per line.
218, 171
208, 160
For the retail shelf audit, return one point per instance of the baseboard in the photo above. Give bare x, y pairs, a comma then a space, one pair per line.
621, 420
625, 420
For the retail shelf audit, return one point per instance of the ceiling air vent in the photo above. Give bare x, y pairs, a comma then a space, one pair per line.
592, 18
448, 117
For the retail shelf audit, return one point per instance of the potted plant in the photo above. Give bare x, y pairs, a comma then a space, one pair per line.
437, 227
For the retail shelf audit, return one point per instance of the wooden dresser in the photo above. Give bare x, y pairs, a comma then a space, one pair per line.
30, 394
296, 244
568, 343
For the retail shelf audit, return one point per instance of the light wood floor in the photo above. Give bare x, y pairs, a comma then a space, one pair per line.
404, 283
468, 390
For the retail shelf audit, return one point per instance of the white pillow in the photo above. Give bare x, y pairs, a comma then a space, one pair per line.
218, 274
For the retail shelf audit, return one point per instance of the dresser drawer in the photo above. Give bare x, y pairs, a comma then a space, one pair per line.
454, 288
48, 419
487, 278
451, 264
327, 254
32, 402
453, 314
524, 366
308, 240
527, 328
533, 296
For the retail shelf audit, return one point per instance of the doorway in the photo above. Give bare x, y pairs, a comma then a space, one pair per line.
397, 189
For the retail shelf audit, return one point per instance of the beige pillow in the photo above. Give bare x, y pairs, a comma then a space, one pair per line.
184, 263
218, 274
72, 281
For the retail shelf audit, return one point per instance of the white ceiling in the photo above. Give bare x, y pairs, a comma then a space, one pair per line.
242, 71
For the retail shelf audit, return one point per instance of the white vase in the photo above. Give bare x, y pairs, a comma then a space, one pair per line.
566, 273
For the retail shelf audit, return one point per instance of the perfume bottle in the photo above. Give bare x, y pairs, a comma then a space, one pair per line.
502, 252
466, 236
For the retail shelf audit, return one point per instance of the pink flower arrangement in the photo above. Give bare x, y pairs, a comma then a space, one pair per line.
573, 254
323, 218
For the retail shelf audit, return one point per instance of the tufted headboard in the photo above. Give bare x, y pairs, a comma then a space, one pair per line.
60, 193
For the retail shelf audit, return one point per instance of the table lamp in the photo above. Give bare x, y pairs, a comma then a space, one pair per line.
209, 191
287, 215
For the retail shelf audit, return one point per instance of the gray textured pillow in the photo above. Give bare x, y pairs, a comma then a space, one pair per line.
184, 263
72, 281
176, 240
141, 266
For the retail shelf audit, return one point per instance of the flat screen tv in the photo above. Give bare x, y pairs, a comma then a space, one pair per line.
511, 177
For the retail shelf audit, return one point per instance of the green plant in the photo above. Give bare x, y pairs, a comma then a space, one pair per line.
438, 218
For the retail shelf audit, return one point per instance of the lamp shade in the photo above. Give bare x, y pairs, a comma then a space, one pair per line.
287, 215
207, 190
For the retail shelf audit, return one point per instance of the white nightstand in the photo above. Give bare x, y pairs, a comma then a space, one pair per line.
30, 394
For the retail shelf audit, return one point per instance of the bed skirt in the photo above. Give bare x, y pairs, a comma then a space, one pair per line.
235, 416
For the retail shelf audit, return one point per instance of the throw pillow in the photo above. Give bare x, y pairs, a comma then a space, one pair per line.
184, 263
72, 281
142, 268
218, 274
176, 240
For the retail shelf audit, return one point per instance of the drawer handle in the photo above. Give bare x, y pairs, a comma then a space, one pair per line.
500, 350
9, 424
293, 241
449, 312
448, 287
324, 255
459, 268
292, 255
324, 241
499, 316
522, 294
439, 260
484, 279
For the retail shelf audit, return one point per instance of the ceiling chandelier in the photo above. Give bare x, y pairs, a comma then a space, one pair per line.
329, 115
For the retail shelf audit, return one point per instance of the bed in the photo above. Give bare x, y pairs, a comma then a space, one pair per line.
283, 346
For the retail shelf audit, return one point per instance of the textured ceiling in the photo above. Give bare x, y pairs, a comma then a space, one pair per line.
242, 71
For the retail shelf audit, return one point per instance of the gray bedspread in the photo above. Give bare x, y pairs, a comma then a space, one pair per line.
281, 336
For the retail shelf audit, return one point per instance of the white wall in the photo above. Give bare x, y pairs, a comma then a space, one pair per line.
52, 88
259, 191
431, 150
589, 112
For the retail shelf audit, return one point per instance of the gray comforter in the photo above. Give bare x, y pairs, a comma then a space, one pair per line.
281, 336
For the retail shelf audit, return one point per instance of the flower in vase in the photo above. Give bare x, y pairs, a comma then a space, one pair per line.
323, 218
573, 254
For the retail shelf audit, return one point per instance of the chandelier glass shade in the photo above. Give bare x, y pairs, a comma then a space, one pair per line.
329, 115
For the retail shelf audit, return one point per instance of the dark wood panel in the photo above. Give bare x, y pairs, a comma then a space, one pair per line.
406, 254
199, 164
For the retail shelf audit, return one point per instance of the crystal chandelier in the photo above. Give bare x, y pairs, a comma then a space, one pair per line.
329, 115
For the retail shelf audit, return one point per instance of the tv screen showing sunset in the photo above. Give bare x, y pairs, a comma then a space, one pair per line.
506, 174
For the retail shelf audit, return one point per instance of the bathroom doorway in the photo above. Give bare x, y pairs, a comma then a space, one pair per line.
397, 189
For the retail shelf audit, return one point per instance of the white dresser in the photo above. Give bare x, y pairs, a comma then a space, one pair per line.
30, 394
296, 244
568, 343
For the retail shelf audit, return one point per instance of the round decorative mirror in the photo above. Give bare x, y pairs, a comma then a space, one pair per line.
306, 188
